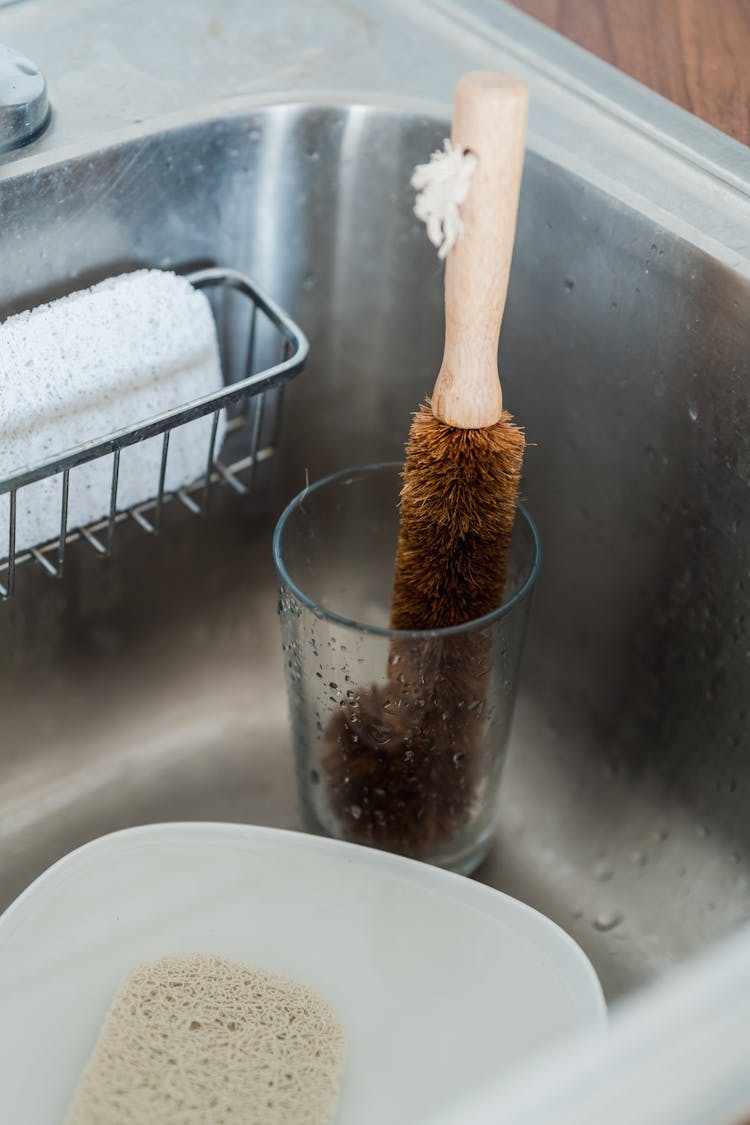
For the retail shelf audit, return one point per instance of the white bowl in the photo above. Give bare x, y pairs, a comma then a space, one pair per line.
440, 982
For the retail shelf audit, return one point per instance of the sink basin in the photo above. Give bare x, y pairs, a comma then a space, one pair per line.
149, 687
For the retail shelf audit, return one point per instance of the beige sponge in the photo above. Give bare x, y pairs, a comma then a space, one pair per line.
199, 1040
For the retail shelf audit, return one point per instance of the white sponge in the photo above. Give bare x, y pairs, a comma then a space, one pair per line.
91, 363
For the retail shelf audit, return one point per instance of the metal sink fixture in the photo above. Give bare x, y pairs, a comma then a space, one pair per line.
149, 686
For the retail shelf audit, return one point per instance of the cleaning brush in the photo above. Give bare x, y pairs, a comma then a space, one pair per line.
408, 756
464, 454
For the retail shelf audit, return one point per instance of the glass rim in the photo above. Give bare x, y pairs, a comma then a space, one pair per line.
382, 630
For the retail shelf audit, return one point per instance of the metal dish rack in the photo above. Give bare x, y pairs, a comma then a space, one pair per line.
244, 400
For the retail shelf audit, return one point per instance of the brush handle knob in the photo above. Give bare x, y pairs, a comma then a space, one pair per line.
489, 118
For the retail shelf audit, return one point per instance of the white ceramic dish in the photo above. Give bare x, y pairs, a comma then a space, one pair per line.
439, 981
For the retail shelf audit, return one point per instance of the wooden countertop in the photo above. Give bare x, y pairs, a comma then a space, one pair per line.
695, 52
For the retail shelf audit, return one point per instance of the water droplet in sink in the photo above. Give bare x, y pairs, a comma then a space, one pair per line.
693, 413
607, 920
309, 282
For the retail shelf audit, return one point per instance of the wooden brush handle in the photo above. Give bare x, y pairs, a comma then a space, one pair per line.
490, 119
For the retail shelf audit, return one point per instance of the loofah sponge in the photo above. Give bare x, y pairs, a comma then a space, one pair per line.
196, 1038
94, 362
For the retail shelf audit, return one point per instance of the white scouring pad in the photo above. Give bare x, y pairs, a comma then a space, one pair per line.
91, 363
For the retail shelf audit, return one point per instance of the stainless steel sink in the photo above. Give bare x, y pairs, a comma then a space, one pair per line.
149, 686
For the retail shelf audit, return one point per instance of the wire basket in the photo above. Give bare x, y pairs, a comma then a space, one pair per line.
264, 350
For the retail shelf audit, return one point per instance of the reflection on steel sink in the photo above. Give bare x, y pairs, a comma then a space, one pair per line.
150, 687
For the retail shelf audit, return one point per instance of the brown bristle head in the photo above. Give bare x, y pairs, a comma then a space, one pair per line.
458, 506
405, 776
405, 762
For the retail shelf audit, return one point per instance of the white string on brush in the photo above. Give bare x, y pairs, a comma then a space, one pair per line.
442, 186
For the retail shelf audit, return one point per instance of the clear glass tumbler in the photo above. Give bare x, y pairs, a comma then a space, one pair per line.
399, 736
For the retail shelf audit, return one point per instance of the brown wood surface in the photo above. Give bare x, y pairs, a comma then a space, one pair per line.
695, 52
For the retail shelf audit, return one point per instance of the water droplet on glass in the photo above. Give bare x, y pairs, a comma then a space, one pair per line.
356, 811
639, 858
314, 777
603, 871
692, 413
